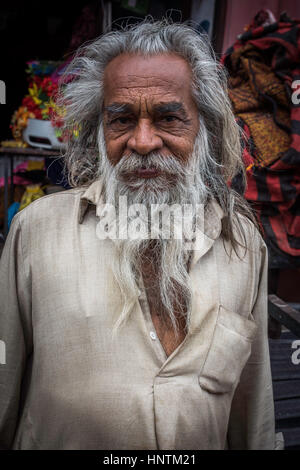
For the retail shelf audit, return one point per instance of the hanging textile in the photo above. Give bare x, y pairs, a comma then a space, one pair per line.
263, 65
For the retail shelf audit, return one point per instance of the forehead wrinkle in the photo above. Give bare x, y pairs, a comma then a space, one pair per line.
121, 94
121, 99
152, 88
132, 74
131, 83
148, 78
162, 66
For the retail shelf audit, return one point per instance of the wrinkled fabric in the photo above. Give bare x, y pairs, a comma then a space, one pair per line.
264, 73
68, 384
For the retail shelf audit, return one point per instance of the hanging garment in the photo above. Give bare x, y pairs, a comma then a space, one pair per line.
263, 66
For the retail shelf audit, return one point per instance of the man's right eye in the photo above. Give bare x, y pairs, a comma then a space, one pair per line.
121, 120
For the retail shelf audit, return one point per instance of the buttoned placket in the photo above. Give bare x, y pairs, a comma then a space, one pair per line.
152, 334
144, 304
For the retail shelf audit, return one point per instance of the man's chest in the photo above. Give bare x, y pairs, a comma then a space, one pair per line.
167, 336
170, 327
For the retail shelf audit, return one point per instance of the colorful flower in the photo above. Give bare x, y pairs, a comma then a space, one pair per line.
40, 103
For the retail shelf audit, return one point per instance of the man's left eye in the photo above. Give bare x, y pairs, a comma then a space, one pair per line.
170, 118
121, 120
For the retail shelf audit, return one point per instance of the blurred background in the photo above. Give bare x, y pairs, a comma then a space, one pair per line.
33, 30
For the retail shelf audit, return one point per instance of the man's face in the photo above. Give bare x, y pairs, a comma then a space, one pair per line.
148, 107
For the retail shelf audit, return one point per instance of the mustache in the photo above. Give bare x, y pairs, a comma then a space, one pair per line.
164, 164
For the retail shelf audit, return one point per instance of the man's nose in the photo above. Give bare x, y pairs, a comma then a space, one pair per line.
144, 139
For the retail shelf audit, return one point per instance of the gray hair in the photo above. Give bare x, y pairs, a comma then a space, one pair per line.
83, 99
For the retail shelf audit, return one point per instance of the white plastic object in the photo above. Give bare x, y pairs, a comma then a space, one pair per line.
40, 133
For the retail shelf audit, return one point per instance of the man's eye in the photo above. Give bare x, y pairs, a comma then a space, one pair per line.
121, 120
170, 118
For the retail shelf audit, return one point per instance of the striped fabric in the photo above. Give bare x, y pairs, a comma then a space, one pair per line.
263, 65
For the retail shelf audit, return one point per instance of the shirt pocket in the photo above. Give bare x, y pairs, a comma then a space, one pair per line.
228, 353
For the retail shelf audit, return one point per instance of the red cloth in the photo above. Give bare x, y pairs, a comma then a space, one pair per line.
274, 190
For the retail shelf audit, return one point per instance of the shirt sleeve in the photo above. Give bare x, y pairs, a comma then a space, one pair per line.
15, 330
252, 421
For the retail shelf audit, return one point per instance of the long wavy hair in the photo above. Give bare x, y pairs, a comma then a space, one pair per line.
220, 135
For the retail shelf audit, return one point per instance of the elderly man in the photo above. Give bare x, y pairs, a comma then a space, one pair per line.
139, 342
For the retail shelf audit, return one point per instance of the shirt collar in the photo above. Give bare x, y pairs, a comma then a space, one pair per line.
211, 227
92, 195
211, 230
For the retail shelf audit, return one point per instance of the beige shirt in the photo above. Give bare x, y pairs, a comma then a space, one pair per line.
67, 384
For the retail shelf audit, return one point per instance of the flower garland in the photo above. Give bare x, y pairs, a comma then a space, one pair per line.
39, 103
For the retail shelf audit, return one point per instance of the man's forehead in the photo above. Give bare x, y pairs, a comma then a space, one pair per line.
164, 73
157, 65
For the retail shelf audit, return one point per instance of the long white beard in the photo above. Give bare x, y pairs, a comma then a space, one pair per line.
178, 185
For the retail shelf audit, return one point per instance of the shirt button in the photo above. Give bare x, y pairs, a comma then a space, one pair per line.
152, 335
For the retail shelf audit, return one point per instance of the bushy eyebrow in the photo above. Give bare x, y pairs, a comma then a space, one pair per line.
161, 108
117, 108
171, 107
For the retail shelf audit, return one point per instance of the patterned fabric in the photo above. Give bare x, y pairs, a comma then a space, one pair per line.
263, 64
